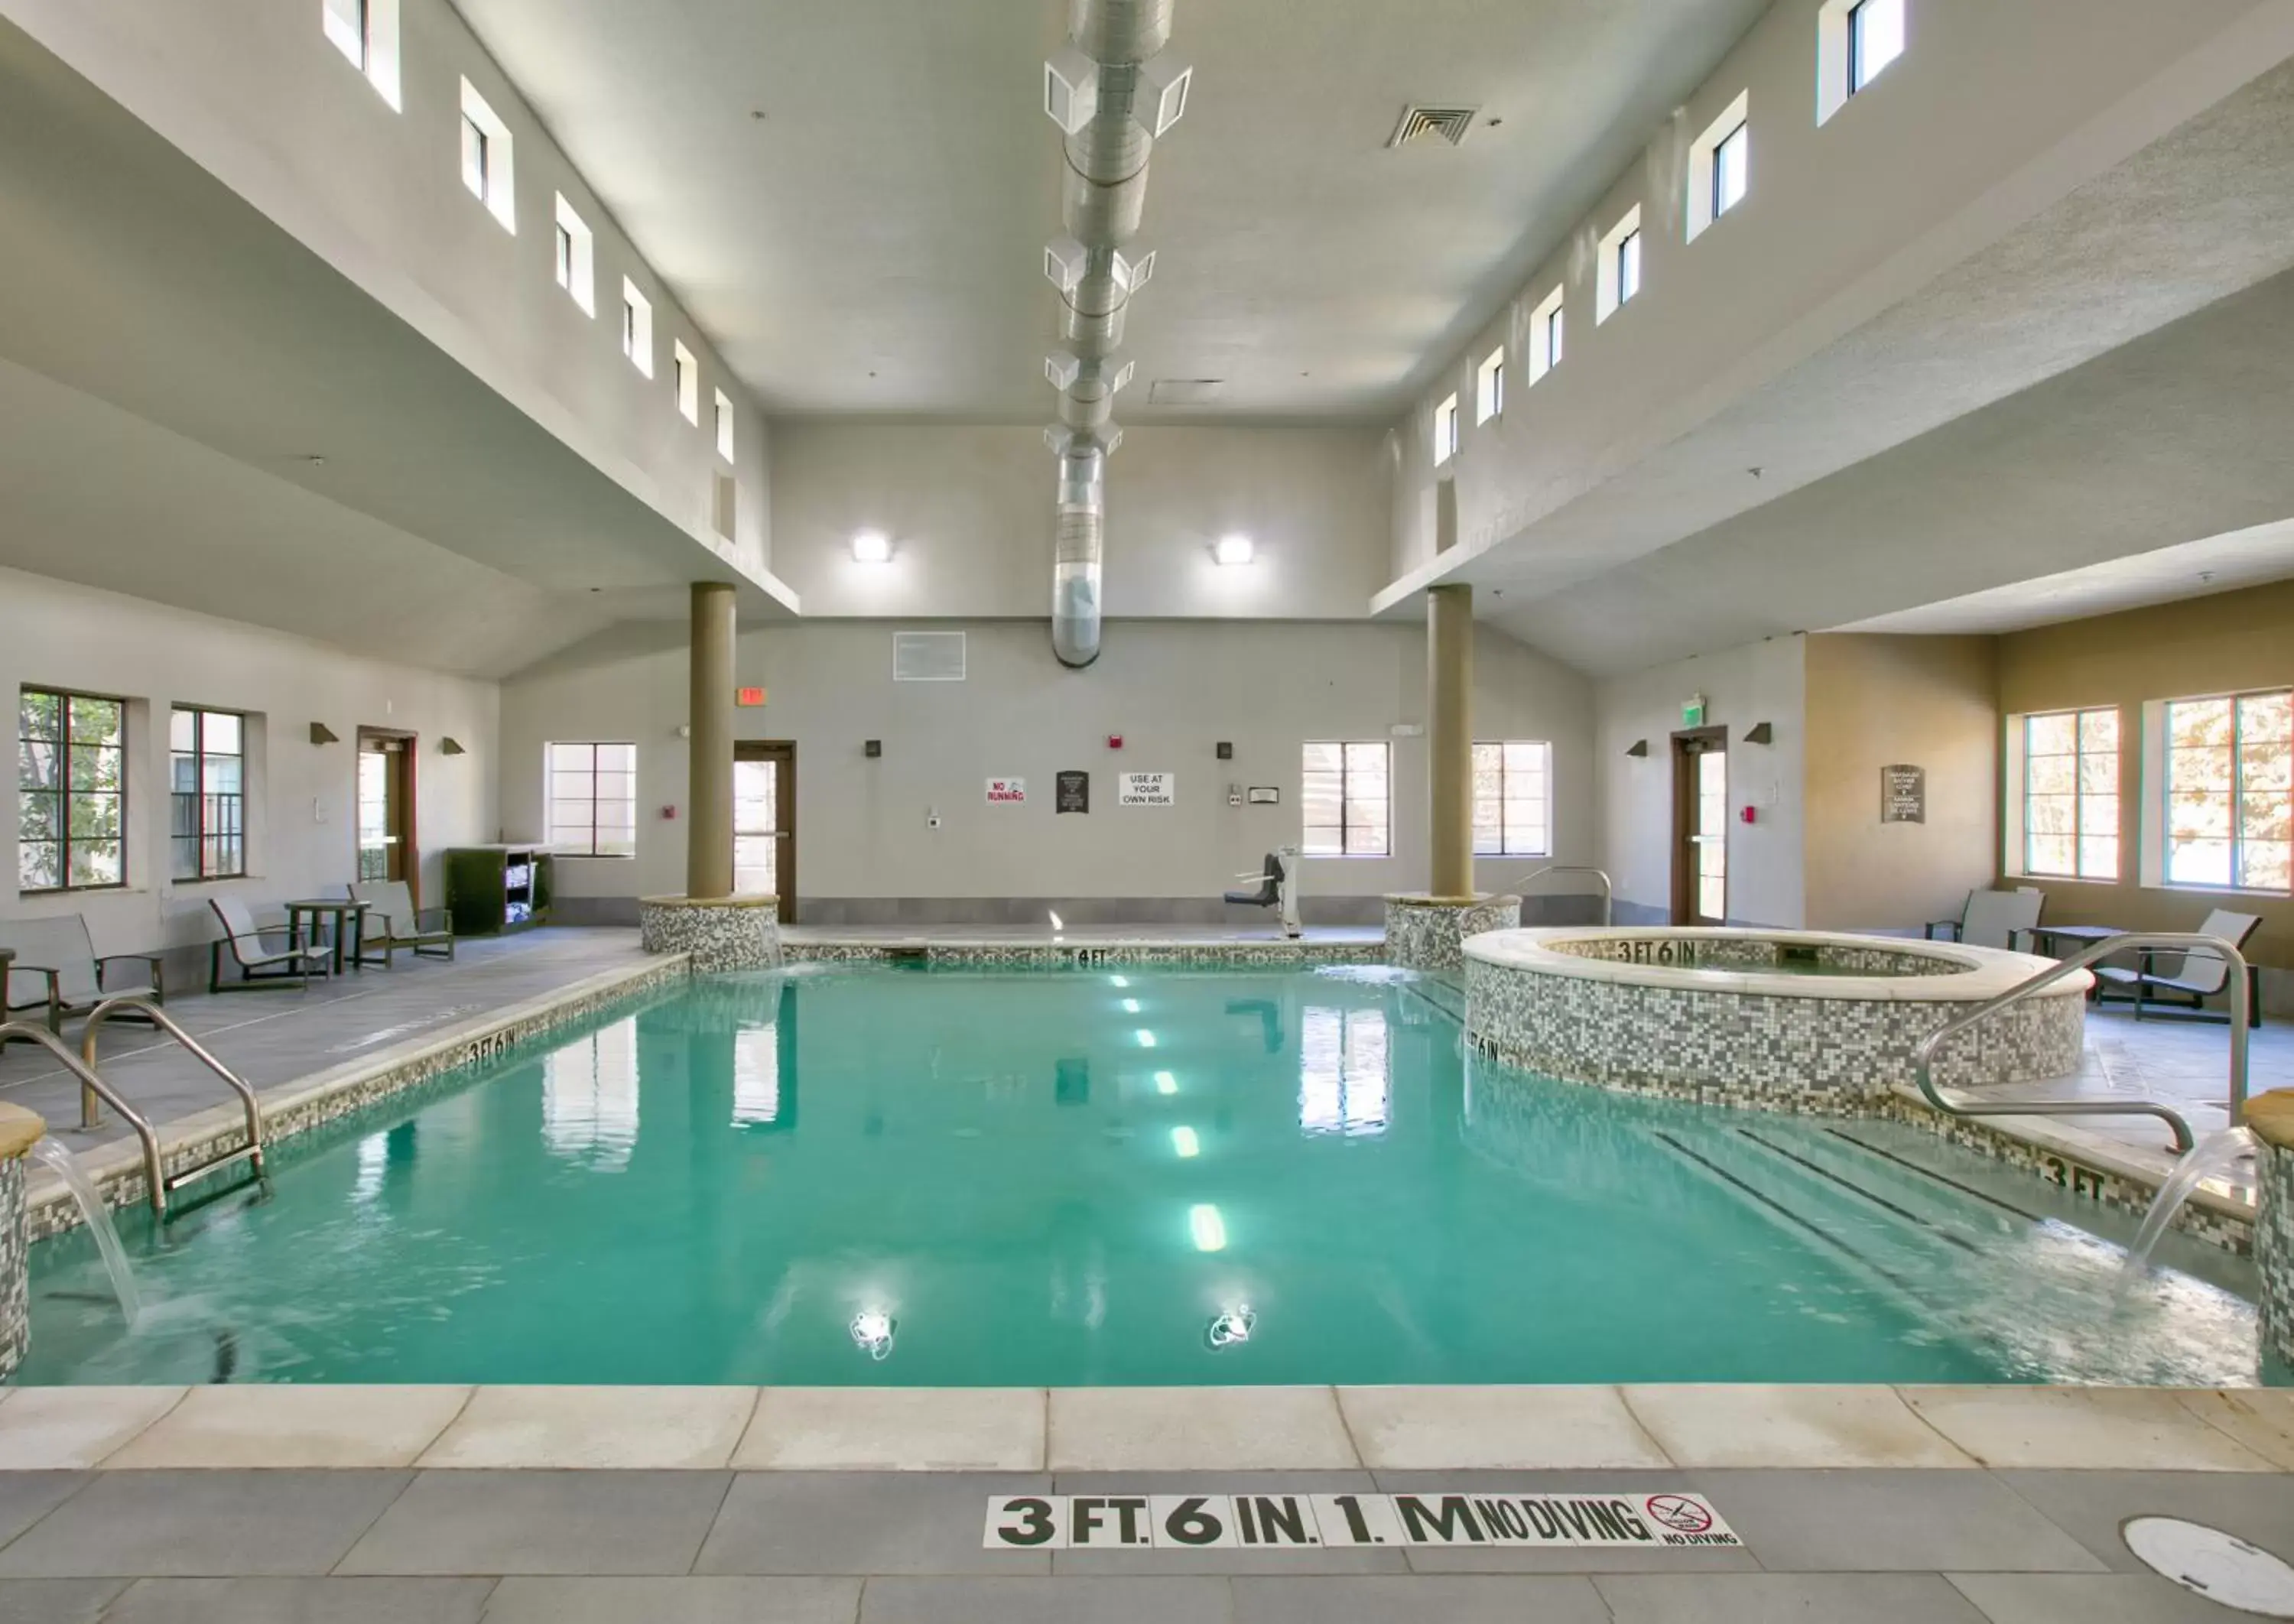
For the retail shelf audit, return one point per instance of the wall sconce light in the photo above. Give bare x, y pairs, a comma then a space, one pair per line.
1760, 733
321, 733
871, 547
1234, 550
451, 747
1640, 747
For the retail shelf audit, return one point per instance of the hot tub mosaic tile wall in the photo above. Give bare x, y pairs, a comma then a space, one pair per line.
1741, 953
2273, 1246
742, 933
15, 1288
1778, 1053
1424, 934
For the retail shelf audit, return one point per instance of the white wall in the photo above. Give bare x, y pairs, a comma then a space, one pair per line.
1993, 111
970, 512
1173, 689
56, 635
1762, 682
254, 91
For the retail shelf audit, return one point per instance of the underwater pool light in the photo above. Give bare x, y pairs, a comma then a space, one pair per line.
1230, 1327
871, 1331
1209, 1228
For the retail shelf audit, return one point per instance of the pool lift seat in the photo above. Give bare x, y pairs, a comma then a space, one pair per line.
160, 1184
1278, 888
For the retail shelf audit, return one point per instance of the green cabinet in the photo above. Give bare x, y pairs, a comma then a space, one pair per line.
491, 889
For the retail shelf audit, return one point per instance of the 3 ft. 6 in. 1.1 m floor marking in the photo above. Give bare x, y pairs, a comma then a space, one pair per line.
1302, 1522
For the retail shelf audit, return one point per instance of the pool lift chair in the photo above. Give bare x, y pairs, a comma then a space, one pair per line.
1278, 888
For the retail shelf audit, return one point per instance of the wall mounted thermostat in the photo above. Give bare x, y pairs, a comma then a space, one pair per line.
1225, 750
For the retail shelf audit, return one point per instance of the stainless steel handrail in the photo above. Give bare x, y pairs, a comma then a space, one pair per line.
89, 1081
1609, 889
144, 1008
1923, 1057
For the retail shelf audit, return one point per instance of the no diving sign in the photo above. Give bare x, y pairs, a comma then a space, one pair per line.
1301, 1521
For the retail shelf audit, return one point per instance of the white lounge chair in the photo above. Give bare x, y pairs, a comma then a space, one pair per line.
2183, 982
261, 966
57, 971
393, 923
1994, 919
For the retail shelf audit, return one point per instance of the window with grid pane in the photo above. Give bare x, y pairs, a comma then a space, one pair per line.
593, 799
207, 830
71, 793
1343, 790
2070, 794
1513, 798
2230, 798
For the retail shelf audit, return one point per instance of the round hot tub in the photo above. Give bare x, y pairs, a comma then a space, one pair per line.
1783, 1020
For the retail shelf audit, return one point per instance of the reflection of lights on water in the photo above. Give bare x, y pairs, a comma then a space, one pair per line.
1183, 1141
1345, 1084
871, 1331
1057, 924
1166, 1083
1230, 1327
1146, 1038
1209, 1228
1131, 1006
1119, 980
373, 1160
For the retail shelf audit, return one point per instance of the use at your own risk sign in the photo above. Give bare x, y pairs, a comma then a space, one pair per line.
1302, 1522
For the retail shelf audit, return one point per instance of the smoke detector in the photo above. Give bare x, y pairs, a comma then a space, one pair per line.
1426, 126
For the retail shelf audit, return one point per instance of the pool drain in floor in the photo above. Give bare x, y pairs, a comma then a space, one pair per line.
2219, 1566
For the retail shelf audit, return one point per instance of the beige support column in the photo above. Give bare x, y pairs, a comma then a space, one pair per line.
1450, 753
708, 828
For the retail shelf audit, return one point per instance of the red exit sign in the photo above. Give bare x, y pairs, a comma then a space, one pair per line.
748, 696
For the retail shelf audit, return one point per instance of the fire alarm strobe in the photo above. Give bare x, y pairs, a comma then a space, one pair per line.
1115, 741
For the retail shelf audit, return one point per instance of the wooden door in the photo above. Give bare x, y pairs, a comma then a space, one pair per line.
764, 822
1700, 826
385, 808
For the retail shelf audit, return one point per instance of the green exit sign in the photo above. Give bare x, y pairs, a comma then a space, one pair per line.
1692, 712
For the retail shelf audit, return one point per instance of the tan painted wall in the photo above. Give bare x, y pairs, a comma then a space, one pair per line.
1875, 701
2230, 641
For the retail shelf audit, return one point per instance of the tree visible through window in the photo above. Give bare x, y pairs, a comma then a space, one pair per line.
1343, 790
1513, 798
71, 802
207, 771
2230, 797
593, 799
2070, 794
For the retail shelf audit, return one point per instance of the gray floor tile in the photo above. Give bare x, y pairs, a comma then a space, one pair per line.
1757, 1598
178, 1524
2086, 1598
1509, 1599
1871, 1522
581, 1522
1425, 1559
302, 1601
27, 1496
1167, 1563
862, 1522
1045, 1601
2090, 1506
55, 1600
675, 1600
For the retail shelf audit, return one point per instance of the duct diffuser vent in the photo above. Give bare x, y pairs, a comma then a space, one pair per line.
1186, 391
927, 656
1430, 125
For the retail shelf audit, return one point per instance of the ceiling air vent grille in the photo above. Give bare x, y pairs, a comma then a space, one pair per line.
1425, 126
1186, 391
927, 656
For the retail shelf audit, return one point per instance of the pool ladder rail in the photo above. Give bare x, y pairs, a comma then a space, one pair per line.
1609, 889
94, 1093
1923, 1057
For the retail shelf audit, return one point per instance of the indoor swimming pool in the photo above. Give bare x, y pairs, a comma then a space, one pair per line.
866, 1174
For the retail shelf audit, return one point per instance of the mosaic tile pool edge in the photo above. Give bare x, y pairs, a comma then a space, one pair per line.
2273, 1246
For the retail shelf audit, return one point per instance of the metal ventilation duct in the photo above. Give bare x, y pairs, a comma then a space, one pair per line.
1112, 89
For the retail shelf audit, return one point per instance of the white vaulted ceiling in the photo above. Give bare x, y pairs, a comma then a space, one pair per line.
872, 242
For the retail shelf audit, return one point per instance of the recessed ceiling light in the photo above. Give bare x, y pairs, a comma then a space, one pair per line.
1234, 550
871, 547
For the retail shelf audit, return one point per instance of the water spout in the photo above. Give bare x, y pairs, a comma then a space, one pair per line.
2215, 1153
51, 1154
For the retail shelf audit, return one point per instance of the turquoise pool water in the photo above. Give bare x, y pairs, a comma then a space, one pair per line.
876, 1175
